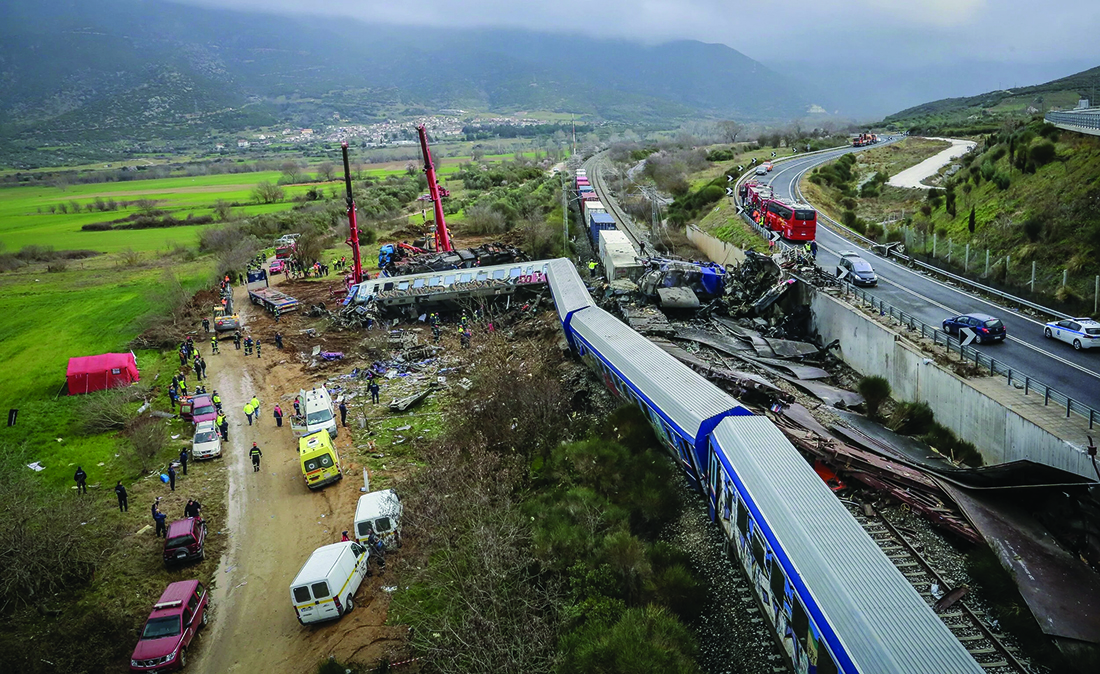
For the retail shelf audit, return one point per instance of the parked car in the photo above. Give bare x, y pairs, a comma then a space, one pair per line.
277, 267
207, 443
1082, 333
186, 541
380, 512
859, 270
986, 328
197, 409
177, 615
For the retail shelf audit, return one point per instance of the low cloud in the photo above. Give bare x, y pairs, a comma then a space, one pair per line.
883, 32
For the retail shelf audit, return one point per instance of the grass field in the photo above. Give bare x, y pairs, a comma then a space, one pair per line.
50, 317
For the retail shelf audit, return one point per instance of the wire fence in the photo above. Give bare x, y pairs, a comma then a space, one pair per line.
1013, 377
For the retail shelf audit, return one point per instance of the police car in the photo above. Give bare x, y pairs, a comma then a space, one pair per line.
1082, 333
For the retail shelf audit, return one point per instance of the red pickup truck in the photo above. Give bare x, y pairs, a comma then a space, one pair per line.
198, 408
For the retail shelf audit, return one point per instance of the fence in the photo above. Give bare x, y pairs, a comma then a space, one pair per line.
1081, 119
1013, 378
977, 261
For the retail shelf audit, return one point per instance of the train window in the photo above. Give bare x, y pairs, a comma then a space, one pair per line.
500, 274
825, 664
714, 474
777, 580
465, 278
758, 550
388, 287
449, 280
800, 623
729, 500
404, 285
515, 272
482, 275
419, 283
742, 518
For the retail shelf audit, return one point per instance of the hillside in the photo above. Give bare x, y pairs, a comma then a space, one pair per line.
985, 112
1034, 191
125, 69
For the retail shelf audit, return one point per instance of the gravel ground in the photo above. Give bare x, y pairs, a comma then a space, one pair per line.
733, 636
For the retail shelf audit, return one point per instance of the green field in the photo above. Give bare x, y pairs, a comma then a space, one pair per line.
50, 317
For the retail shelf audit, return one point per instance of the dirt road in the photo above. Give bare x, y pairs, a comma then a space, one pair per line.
275, 522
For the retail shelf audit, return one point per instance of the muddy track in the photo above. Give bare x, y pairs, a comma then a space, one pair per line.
275, 522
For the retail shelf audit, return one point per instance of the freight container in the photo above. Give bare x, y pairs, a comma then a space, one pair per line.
590, 207
620, 260
598, 222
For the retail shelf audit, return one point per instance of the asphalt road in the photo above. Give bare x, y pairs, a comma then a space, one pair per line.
1056, 364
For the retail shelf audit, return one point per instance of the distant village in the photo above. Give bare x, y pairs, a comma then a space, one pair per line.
391, 133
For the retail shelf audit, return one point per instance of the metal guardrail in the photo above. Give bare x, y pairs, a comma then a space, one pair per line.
961, 280
1014, 378
1089, 118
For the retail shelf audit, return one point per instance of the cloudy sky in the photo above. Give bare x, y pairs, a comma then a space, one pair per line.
885, 31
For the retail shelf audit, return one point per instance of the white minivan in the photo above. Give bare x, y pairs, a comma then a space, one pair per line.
380, 512
325, 587
318, 413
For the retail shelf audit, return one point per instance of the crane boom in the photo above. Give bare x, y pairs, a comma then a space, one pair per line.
442, 236
353, 235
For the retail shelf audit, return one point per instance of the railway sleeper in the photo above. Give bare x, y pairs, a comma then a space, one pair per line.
993, 665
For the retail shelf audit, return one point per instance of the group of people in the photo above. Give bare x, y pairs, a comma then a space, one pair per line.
160, 518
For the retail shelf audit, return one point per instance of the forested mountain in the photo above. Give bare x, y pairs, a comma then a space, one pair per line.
73, 70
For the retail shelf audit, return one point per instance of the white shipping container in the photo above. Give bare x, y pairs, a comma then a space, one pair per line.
618, 256
591, 207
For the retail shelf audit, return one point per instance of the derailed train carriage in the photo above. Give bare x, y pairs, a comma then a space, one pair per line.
833, 599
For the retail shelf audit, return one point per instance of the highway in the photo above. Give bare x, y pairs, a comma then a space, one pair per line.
1056, 364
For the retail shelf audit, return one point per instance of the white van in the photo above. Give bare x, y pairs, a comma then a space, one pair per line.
325, 587
318, 413
379, 511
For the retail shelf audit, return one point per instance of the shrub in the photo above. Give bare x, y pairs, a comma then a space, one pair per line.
988, 170
859, 226
848, 218
875, 231
1002, 181
875, 391
849, 203
1042, 153
911, 418
1033, 228
895, 236
869, 190
926, 209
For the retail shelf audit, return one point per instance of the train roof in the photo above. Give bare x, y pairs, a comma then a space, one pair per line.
684, 396
569, 291
874, 614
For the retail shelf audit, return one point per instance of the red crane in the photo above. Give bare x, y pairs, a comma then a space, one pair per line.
442, 236
353, 237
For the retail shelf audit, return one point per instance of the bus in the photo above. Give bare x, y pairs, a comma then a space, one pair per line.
794, 222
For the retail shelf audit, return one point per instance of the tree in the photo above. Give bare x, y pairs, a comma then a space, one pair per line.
267, 193
1042, 153
730, 130
222, 210
291, 172
875, 391
326, 170
971, 222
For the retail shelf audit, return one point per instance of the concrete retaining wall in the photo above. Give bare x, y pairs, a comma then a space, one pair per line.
999, 432
715, 249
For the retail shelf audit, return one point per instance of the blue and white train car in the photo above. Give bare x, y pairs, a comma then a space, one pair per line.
834, 599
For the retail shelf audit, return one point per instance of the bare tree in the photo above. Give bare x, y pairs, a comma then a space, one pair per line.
730, 130
310, 247
148, 438
222, 210
267, 193
326, 170
291, 172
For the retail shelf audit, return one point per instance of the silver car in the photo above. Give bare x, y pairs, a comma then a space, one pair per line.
207, 443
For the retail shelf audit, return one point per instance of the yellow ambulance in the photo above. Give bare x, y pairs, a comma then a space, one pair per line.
319, 459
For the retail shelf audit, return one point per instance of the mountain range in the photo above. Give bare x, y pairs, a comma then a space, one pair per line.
73, 71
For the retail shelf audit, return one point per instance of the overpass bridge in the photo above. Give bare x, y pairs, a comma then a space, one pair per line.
1085, 120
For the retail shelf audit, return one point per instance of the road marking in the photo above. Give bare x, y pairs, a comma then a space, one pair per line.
949, 310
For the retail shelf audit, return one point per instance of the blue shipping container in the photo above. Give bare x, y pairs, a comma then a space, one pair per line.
597, 222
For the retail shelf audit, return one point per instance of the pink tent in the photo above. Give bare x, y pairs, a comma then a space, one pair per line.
95, 373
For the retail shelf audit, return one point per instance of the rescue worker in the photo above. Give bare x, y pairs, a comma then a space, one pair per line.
806, 249
159, 518
237, 339
278, 340
255, 453
343, 414
255, 406
297, 407
183, 460
123, 500
813, 249
464, 337
217, 400
248, 346
192, 509
172, 475
214, 344
278, 413
206, 325
197, 368
224, 428
81, 481
373, 391
592, 267
248, 412
276, 314
257, 348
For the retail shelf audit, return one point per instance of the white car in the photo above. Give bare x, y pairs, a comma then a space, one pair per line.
207, 443
1082, 333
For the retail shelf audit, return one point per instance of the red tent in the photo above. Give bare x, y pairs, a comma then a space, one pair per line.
95, 373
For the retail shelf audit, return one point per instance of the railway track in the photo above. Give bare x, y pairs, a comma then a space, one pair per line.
971, 631
594, 166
